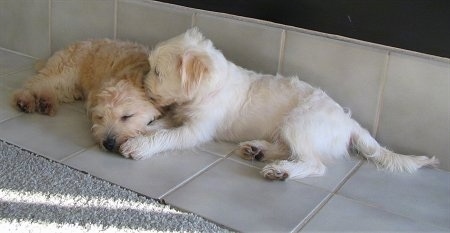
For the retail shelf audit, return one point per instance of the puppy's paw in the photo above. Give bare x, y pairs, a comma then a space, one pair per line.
46, 105
250, 151
24, 101
135, 148
273, 172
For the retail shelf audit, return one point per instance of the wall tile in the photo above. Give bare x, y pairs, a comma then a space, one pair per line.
252, 46
80, 20
150, 23
349, 73
415, 118
24, 26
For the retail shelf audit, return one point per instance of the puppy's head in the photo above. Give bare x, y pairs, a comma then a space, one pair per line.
179, 67
118, 112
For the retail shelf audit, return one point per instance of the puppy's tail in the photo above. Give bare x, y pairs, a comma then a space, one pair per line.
365, 145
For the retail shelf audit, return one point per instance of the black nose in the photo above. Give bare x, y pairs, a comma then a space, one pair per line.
109, 143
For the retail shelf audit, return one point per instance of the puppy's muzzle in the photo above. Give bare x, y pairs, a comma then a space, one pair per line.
109, 143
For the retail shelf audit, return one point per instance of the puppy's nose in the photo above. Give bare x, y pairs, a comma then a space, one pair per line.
109, 143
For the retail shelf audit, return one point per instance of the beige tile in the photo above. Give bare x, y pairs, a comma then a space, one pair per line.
236, 196
219, 148
415, 118
11, 63
80, 20
422, 196
6, 110
16, 80
53, 137
349, 73
359, 217
24, 26
152, 177
252, 46
336, 172
149, 23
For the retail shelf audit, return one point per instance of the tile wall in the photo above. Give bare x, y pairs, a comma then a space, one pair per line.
402, 97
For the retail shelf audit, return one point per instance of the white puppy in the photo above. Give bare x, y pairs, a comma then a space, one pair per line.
280, 119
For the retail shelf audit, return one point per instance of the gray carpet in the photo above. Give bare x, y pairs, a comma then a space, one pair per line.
39, 195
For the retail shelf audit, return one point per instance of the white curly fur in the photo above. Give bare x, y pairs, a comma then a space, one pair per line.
275, 117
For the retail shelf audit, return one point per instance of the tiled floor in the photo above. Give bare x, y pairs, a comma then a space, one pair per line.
213, 182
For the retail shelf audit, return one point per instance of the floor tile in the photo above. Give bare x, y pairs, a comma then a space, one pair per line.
424, 195
218, 148
236, 196
53, 137
10, 62
152, 177
358, 217
6, 110
16, 79
336, 171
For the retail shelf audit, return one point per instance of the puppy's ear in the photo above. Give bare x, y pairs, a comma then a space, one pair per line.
195, 66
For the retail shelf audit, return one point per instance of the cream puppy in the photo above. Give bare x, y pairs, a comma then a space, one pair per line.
278, 119
107, 74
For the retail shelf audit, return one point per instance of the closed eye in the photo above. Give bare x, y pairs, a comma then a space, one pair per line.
150, 122
126, 117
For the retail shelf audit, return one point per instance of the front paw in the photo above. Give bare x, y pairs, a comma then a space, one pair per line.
135, 148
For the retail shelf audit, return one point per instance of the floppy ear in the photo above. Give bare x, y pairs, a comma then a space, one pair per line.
194, 67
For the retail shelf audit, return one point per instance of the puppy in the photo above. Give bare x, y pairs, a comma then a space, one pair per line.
279, 119
108, 75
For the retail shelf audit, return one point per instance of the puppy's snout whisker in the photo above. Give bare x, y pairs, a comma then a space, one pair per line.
109, 143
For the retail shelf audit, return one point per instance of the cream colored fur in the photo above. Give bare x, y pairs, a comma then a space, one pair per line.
279, 119
108, 75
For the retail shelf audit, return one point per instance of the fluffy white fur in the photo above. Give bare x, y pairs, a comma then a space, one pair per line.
279, 119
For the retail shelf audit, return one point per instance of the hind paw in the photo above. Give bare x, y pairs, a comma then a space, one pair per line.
274, 173
24, 101
46, 106
28, 102
250, 152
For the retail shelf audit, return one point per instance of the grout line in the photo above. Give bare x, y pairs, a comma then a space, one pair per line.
313, 213
18, 53
195, 175
348, 176
115, 19
194, 19
50, 15
282, 51
316, 210
74, 154
15, 71
380, 99
10, 118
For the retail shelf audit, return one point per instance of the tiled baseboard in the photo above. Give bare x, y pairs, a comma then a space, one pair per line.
402, 96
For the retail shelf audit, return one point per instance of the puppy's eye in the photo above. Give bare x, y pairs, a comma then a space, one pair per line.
126, 117
98, 118
150, 122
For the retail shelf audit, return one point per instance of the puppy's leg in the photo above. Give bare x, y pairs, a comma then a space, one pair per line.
304, 161
304, 137
262, 150
186, 136
43, 93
